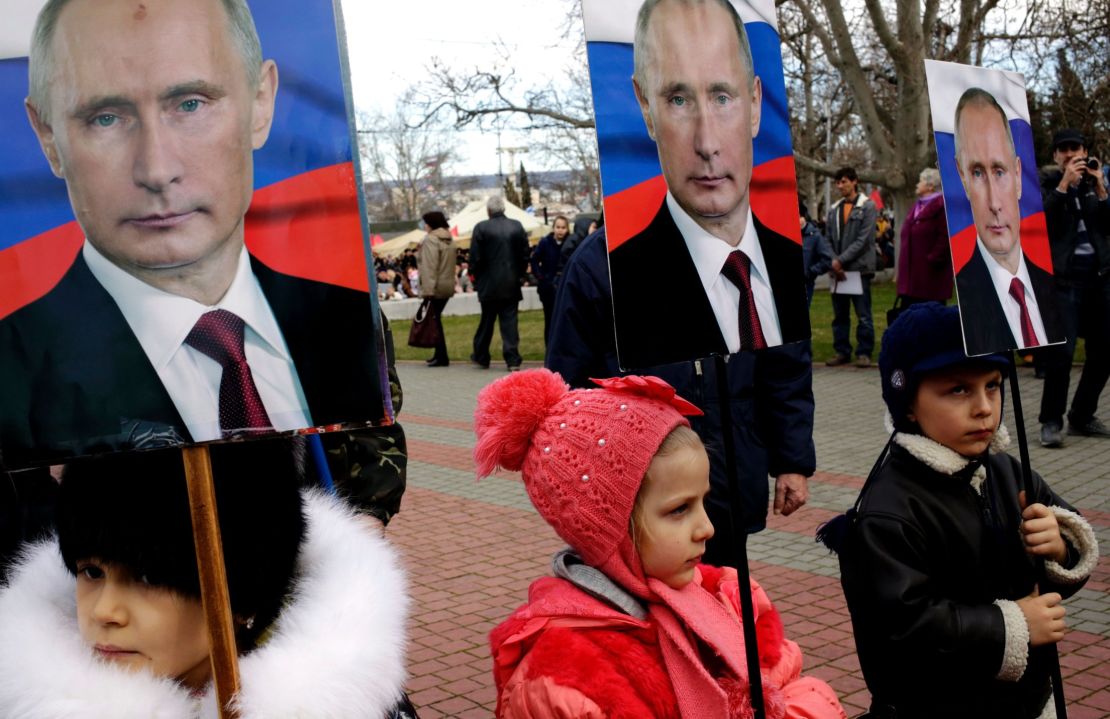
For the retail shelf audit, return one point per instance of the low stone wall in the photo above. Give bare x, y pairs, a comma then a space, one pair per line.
465, 303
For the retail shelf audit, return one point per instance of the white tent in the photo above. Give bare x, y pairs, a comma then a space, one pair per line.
397, 246
462, 224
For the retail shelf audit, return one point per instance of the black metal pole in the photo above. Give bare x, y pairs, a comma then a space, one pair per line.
1051, 652
740, 536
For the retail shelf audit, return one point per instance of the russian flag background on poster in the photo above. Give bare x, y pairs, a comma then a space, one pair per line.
304, 217
631, 180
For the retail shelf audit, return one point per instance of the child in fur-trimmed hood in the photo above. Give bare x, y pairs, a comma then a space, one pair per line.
939, 557
104, 621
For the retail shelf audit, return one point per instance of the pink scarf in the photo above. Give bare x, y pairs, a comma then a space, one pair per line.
681, 614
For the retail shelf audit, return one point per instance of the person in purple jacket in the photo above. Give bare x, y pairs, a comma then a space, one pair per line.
925, 260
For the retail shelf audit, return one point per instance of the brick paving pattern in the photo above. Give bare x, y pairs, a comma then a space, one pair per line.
472, 548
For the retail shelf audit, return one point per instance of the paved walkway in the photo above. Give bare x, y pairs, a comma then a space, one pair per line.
472, 548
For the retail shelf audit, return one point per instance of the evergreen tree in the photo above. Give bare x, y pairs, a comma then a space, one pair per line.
510, 192
525, 189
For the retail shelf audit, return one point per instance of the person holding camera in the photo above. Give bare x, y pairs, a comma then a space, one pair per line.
1077, 213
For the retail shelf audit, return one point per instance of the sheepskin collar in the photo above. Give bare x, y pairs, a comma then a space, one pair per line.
942, 459
337, 650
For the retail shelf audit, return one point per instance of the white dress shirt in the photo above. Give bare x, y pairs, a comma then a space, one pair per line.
1001, 278
709, 253
161, 321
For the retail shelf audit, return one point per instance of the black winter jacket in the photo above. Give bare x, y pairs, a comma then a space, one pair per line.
499, 258
924, 566
1062, 212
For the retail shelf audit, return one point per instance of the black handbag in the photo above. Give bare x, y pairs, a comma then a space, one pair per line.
425, 331
897, 309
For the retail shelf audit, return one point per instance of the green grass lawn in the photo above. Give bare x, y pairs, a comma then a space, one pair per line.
460, 331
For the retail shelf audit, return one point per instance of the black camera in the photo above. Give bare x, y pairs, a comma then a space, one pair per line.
1092, 163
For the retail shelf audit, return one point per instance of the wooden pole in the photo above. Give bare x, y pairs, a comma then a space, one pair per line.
213, 577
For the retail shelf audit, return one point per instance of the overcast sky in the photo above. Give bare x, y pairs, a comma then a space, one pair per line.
392, 44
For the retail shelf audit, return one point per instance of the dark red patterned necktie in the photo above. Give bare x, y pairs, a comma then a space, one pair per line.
1028, 334
738, 269
219, 334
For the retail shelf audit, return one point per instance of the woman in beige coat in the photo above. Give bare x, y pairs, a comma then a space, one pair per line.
435, 261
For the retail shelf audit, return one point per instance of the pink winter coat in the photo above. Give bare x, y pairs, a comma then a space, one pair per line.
567, 654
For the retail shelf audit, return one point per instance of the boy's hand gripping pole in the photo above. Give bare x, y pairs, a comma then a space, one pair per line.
213, 577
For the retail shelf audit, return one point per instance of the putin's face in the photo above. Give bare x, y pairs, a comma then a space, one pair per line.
699, 109
991, 176
152, 124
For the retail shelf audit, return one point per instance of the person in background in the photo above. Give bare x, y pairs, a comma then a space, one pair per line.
498, 261
1077, 213
545, 267
851, 232
436, 262
925, 259
816, 254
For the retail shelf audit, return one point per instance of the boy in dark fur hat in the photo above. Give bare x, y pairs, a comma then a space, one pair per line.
106, 619
939, 561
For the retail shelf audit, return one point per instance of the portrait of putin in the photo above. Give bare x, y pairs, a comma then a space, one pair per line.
701, 102
1006, 301
165, 329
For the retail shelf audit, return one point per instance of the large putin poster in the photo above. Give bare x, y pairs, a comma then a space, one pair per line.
182, 254
697, 173
996, 223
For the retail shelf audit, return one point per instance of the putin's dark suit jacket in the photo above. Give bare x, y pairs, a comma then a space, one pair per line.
984, 322
75, 380
661, 311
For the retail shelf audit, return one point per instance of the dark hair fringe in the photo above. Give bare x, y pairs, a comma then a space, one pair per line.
133, 510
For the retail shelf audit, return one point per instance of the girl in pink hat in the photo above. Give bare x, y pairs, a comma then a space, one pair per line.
632, 625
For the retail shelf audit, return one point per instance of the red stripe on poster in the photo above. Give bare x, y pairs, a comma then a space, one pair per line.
31, 269
1034, 242
774, 198
308, 226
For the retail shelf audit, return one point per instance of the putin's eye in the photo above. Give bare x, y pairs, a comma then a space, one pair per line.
678, 101
104, 119
190, 105
722, 99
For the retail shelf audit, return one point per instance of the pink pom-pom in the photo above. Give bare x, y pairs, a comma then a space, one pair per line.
508, 413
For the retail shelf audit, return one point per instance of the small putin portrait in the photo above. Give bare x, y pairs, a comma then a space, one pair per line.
1005, 299
165, 329
701, 103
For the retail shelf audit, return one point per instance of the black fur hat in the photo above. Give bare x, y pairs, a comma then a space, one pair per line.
133, 510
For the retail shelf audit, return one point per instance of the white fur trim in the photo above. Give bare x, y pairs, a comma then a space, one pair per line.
932, 454
337, 649
1080, 535
1015, 656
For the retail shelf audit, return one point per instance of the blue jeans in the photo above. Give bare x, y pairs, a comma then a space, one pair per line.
842, 322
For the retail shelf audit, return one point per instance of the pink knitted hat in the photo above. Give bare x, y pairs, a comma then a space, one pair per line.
582, 453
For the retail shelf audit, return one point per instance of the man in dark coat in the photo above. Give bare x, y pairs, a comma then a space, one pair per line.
771, 400
498, 260
1077, 212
